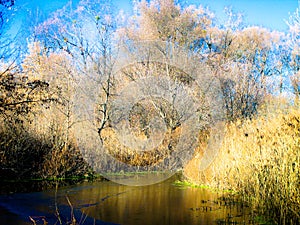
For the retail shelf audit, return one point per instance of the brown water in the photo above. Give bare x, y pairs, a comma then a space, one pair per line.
105, 202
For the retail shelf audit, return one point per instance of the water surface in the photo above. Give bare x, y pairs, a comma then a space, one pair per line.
105, 202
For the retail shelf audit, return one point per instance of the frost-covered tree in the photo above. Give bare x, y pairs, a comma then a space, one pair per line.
164, 20
294, 44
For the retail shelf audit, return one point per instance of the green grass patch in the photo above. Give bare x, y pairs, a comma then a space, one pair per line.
186, 184
122, 173
261, 220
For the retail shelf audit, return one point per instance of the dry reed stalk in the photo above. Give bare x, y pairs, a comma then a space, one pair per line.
260, 159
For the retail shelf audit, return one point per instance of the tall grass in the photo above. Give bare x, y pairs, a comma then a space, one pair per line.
260, 159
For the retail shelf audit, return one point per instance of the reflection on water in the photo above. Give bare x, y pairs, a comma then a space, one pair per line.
107, 202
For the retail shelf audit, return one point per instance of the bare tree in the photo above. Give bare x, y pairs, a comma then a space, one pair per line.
164, 20
294, 43
243, 60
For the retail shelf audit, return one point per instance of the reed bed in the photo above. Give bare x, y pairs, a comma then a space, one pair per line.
260, 159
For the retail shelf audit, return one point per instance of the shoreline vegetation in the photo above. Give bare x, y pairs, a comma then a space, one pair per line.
259, 159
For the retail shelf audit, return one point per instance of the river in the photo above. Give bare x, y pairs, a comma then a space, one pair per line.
106, 202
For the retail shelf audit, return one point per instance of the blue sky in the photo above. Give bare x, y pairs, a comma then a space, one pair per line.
267, 13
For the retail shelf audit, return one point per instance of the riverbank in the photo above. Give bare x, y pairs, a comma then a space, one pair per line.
259, 159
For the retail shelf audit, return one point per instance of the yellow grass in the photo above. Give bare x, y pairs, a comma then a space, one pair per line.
260, 159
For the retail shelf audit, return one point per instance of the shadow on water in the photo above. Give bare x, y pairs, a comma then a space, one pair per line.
105, 202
